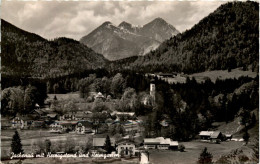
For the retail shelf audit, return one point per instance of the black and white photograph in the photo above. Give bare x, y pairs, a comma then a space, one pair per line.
129, 82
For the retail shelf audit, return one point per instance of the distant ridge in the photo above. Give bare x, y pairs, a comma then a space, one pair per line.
126, 40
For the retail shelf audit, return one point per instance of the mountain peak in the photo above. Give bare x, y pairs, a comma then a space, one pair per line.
159, 19
106, 23
123, 24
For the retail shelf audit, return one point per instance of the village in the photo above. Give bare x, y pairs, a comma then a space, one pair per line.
126, 138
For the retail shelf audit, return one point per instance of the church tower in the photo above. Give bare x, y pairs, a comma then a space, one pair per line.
152, 90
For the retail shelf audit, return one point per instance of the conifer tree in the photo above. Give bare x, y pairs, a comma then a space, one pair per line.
246, 136
16, 145
107, 145
205, 157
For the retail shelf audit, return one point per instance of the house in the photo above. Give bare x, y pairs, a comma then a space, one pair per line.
68, 116
53, 116
22, 122
68, 125
55, 127
123, 114
160, 143
83, 127
205, 135
100, 96
126, 147
79, 115
100, 142
217, 135
131, 126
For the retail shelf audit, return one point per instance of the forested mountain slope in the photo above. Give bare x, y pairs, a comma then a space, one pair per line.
226, 38
28, 54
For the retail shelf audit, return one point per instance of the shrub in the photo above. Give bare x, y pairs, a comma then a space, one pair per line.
181, 147
243, 158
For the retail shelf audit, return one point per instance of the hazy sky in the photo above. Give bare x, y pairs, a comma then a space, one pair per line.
76, 19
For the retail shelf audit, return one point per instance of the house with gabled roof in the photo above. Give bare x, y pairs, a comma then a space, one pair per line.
55, 127
205, 135
126, 147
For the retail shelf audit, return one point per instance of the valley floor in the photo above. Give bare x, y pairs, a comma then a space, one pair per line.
190, 156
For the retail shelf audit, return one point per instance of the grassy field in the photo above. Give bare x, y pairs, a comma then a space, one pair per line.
190, 156
28, 137
213, 75
192, 152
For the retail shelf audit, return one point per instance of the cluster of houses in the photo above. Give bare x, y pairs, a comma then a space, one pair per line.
129, 147
80, 122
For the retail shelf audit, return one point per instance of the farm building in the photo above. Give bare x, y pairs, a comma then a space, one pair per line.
160, 143
211, 135
205, 135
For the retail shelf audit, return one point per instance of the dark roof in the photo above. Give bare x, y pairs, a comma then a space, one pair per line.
125, 141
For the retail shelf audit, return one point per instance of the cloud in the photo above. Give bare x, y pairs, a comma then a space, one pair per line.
75, 19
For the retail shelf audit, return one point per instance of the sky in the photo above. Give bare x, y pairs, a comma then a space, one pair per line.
75, 19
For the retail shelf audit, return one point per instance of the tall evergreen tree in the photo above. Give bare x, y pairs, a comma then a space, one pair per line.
16, 145
107, 145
